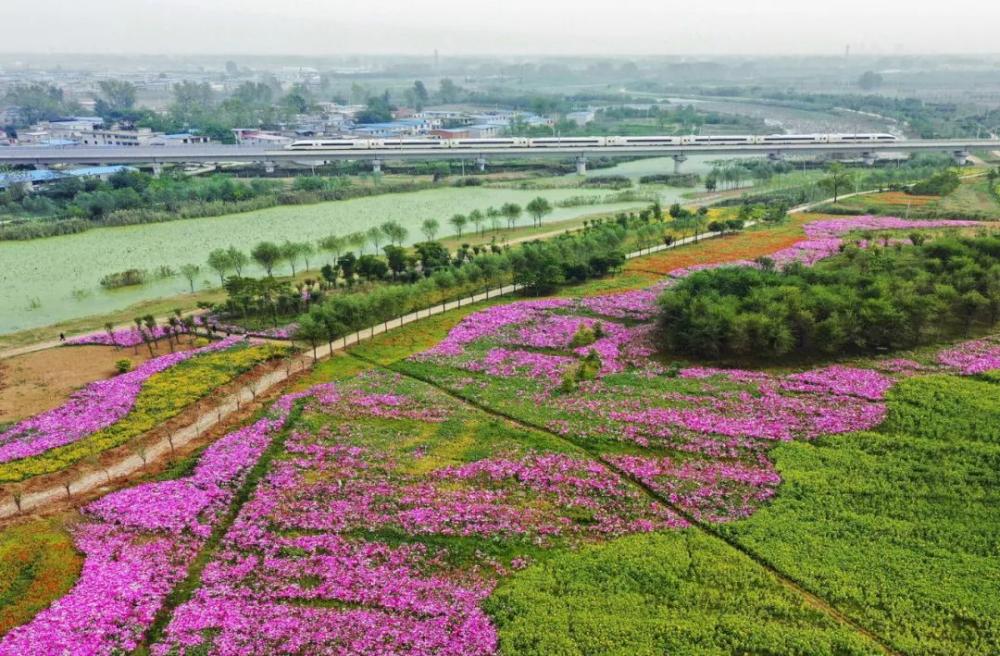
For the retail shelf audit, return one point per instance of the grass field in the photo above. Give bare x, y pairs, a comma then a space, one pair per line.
898, 527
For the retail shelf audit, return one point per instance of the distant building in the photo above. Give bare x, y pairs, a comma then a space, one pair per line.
42, 176
485, 131
252, 137
581, 118
180, 139
383, 130
10, 115
451, 133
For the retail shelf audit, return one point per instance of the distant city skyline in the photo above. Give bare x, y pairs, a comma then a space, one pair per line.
638, 27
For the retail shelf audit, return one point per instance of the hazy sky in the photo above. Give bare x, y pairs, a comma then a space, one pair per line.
330, 27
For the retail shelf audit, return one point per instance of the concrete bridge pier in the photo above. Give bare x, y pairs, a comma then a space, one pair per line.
376, 166
581, 165
961, 157
679, 159
157, 170
869, 158
481, 164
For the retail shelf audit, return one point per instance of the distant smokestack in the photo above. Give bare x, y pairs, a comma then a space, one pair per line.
847, 51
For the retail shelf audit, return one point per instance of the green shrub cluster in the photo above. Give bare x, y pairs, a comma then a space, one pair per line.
941, 183
860, 301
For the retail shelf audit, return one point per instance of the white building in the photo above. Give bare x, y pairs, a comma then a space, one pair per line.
252, 137
582, 118
485, 130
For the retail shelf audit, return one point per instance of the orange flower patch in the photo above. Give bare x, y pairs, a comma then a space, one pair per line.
38, 564
900, 198
747, 245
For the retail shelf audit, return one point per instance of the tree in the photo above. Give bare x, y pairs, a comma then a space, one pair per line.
192, 102
375, 235
190, 273
347, 263
371, 267
36, 101
117, 99
448, 91
378, 109
538, 208
395, 232
142, 335
396, 258
420, 95
458, 222
220, 262
238, 259
430, 228
476, 217
306, 250
150, 322
310, 331
291, 251
512, 212
837, 180
358, 240
267, 254
870, 80
333, 244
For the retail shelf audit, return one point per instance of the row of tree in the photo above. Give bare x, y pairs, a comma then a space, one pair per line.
539, 266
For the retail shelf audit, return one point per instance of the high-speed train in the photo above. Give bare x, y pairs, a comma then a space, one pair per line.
585, 142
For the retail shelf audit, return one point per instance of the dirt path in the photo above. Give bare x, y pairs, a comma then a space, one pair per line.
52, 343
35, 382
128, 466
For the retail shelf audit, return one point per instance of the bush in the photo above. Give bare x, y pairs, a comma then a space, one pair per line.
129, 278
123, 366
939, 184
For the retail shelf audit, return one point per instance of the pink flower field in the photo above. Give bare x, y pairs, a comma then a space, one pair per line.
96, 406
376, 515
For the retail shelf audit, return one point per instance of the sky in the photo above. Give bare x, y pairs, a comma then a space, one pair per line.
605, 27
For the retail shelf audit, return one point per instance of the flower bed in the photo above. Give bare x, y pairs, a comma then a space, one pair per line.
127, 336
307, 557
138, 544
218, 325
93, 422
975, 357
96, 406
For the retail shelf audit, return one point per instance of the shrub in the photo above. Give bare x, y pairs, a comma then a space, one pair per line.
123, 366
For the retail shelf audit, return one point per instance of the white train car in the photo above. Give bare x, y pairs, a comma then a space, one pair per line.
498, 142
643, 141
329, 144
862, 138
410, 144
566, 142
